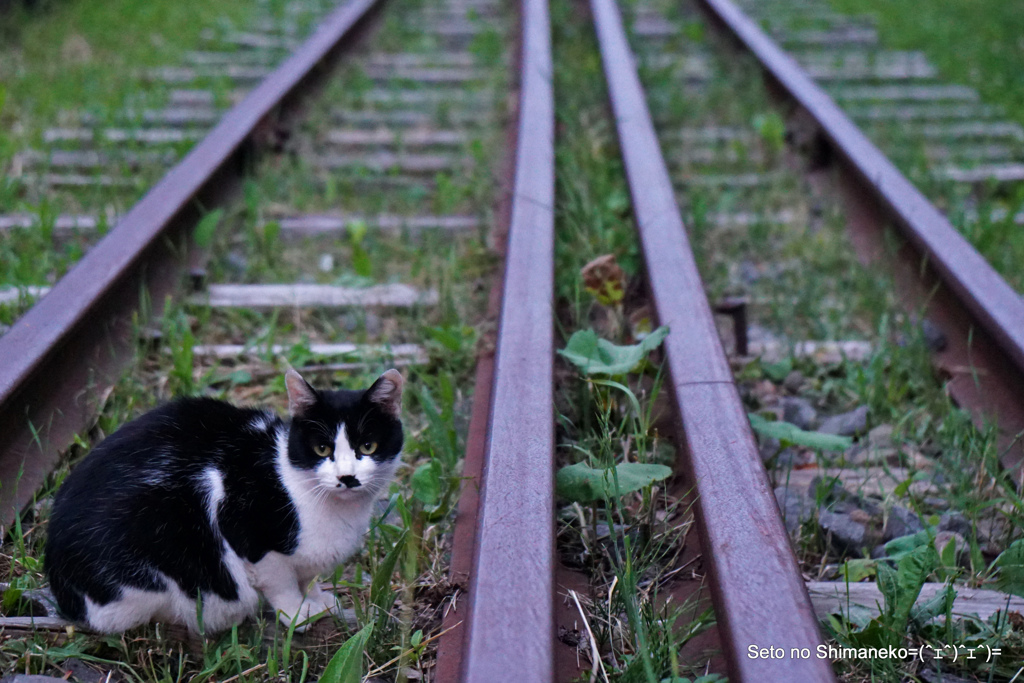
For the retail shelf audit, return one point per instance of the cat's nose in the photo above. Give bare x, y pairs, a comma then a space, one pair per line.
349, 481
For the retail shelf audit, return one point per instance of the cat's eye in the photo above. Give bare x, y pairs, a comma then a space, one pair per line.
323, 450
368, 447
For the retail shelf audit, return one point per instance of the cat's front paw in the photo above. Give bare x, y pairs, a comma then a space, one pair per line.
310, 610
333, 605
328, 603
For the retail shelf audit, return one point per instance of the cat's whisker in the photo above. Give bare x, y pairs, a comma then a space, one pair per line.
315, 495
323, 494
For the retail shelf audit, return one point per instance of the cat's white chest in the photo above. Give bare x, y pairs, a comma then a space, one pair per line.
330, 533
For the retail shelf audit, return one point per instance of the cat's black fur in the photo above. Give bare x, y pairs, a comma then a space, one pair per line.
133, 505
134, 512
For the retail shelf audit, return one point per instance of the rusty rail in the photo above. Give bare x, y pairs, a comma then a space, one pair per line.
509, 634
757, 588
939, 270
58, 356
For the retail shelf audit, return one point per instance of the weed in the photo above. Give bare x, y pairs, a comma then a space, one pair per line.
397, 585
619, 525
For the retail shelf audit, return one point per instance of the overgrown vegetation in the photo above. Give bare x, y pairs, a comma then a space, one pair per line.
623, 519
781, 243
976, 44
622, 523
76, 66
397, 588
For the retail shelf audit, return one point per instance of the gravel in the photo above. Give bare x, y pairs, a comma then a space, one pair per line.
874, 449
834, 492
901, 522
767, 447
847, 533
237, 262
933, 676
956, 522
799, 412
794, 381
791, 458
852, 423
796, 507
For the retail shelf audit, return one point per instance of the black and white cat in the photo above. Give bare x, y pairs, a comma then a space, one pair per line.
202, 499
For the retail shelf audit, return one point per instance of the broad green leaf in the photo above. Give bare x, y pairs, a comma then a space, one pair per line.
887, 583
874, 634
778, 371
898, 547
380, 587
346, 666
903, 487
947, 554
900, 587
30, 564
783, 431
858, 615
240, 377
596, 356
857, 570
11, 598
207, 228
426, 483
834, 624
939, 603
584, 484
1011, 569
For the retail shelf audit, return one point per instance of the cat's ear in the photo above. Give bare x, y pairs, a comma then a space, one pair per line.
386, 392
301, 396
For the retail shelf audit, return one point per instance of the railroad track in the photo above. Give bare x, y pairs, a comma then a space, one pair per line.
757, 588
423, 120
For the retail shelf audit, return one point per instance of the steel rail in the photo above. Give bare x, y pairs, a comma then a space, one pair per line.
759, 595
994, 306
510, 627
452, 643
78, 337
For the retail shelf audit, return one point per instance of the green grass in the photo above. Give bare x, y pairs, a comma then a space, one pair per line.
972, 42
805, 283
975, 43
62, 61
629, 545
78, 55
398, 583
